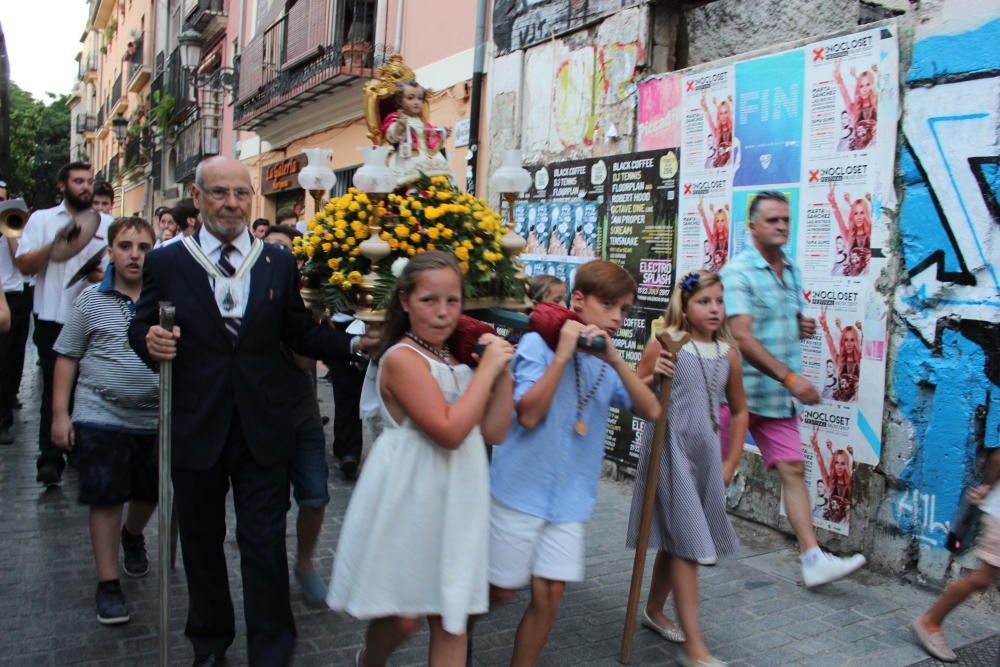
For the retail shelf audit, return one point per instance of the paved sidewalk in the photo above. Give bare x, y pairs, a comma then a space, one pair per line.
754, 610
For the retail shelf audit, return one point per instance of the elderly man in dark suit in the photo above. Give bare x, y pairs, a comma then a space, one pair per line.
237, 300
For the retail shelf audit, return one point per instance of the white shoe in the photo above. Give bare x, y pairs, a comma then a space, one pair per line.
674, 634
711, 662
827, 568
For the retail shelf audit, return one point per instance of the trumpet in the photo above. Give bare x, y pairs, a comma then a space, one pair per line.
13, 216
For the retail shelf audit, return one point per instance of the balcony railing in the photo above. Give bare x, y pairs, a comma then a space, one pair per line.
209, 18
88, 67
156, 169
116, 94
86, 123
296, 60
179, 86
134, 153
139, 67
189, 150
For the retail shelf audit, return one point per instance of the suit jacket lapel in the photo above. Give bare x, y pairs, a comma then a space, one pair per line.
197, 279
260, 278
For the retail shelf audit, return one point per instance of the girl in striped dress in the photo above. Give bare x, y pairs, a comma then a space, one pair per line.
690, 525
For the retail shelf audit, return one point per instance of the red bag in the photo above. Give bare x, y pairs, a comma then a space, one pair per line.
547, 320
465, 336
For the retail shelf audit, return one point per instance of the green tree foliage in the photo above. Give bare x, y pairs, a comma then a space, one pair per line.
39, 145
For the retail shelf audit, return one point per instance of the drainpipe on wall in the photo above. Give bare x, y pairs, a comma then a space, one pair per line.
399, 27
477, 94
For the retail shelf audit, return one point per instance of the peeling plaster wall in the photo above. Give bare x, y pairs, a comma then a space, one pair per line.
574, 90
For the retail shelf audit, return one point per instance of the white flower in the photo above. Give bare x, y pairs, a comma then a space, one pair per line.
399, 265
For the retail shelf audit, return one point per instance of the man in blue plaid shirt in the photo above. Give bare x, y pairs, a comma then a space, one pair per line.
762, 296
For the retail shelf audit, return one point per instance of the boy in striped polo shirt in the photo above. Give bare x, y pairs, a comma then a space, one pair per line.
115, 414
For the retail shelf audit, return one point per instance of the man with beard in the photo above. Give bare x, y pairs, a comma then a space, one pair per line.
45, 229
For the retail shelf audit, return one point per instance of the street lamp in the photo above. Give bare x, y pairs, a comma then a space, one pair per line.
510, 180
316, 176
119, 126
189, 43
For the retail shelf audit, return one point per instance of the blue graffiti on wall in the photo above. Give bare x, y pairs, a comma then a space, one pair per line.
947, 370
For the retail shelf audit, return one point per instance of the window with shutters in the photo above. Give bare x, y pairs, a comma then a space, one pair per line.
307, 31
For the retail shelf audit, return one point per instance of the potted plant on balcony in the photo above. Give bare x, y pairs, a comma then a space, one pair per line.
357, 47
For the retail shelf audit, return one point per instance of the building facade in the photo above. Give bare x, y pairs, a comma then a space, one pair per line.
301, 77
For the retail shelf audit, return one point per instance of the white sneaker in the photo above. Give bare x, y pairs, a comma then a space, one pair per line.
827, 568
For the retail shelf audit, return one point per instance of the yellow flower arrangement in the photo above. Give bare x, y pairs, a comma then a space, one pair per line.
432, 216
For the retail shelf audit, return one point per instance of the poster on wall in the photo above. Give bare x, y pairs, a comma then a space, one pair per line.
641, 196
658, 113
561, 217
818, 123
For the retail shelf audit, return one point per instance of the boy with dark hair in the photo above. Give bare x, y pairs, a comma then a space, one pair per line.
285, 216
185, 216
259, 227
281, 235
104, 197
544, 478
115, 415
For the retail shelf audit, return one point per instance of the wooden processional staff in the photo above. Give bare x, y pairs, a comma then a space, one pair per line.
166, 497
672, 341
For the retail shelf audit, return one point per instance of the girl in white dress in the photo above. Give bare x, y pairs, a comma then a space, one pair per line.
415, 535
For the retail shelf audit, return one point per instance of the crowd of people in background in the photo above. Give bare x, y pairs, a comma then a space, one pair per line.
435, 528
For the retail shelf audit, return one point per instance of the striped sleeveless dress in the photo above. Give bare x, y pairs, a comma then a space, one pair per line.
689, 516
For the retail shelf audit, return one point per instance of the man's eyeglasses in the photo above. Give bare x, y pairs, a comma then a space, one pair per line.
222, 194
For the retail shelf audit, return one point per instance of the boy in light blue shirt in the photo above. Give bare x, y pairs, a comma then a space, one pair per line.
544, 478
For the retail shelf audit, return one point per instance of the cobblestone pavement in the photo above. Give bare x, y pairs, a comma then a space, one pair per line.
754, 611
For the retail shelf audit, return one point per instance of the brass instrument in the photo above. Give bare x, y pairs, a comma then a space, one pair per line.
13, 216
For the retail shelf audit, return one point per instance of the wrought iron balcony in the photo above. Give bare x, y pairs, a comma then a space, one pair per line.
86, 124
209, 18
88, 68
139, 67
190, 150
179, 86
102, 129
135, 153
294, 62
117, 104
156, 169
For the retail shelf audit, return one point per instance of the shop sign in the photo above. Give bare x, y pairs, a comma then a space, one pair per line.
282, 175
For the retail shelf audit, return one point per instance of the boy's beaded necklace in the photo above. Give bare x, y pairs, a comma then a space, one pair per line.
582, 399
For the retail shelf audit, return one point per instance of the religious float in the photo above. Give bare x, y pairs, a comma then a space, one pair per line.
403, 202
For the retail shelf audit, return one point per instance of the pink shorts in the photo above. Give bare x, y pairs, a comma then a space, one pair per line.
777, 439
988, 541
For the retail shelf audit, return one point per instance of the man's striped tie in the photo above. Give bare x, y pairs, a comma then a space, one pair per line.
232, 324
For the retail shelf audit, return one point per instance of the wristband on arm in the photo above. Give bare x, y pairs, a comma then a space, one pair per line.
789, 379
